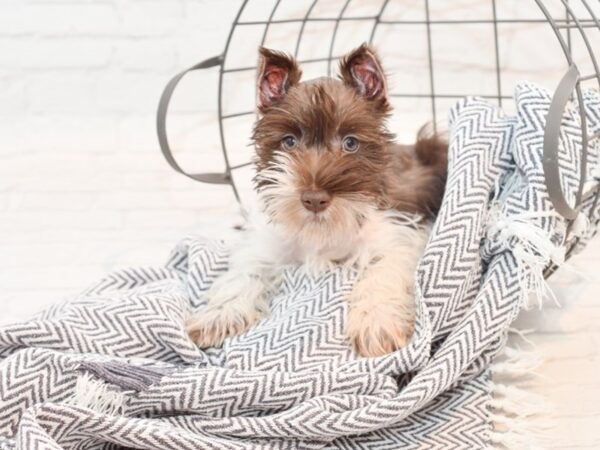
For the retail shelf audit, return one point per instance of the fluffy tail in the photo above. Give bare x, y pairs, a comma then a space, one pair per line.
431, 150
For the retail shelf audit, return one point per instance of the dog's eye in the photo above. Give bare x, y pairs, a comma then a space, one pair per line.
289, 142
350, 144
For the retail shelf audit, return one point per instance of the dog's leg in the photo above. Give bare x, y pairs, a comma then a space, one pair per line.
238, 298
382, 309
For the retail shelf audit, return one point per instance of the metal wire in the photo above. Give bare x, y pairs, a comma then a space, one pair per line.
571, 23
220, 102
561, 23
377, 21
584, 129
497, 53
334, 34
303, 26
430, 63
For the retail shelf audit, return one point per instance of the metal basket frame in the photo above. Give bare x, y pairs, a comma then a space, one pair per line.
569, 87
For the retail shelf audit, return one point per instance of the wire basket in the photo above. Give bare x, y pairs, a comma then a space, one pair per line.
440, 50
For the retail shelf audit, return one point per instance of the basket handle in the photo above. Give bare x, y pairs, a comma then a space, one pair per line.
551, 138
161, 124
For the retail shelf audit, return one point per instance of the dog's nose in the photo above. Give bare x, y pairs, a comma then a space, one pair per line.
316, 201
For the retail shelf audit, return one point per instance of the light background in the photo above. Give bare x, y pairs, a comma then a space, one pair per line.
84, 189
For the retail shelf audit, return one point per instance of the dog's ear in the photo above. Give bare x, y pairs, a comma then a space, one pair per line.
362, 70
277, 72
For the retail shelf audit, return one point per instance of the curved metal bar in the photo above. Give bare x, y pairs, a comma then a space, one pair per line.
269, 22
557, 197
430, 62
555, 29
569, 38
560, 22
450, 96
334, 35
248, 68
161, 125
264, 36
593, 56
551, 140
582, 111
303, 26
586, 41
497, 53
377, 20
595, 201
220, 101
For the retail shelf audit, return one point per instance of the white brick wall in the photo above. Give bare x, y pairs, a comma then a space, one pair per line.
82, 184
84, 190
65, 65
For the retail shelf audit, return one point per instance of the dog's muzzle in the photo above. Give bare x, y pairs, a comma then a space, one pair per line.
316, 201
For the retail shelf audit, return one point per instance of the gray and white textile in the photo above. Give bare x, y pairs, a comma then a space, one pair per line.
113, 368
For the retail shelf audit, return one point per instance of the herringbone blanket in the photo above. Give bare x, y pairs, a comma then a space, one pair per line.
113, 368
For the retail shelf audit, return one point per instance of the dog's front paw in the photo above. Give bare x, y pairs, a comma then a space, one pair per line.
210, 327
379, 328
235, 302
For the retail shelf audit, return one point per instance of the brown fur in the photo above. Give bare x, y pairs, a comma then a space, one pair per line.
321, 113
359, 70
277, 72
416, 175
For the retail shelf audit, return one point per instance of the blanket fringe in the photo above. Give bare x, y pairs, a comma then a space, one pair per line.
515, 411
533, 249
97, 396
516, 363
515, 435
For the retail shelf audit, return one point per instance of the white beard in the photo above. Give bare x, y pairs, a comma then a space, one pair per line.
351, 231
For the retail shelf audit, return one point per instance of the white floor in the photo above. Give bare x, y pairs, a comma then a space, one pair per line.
568, 338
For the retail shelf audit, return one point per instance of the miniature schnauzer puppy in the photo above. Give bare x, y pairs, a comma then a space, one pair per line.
335, 189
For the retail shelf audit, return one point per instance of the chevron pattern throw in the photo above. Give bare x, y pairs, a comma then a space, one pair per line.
114, 369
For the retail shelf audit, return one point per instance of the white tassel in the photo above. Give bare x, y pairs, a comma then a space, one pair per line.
512, 433
533, 250
516, 363
97, 396
518, 402
523, 335
512, 408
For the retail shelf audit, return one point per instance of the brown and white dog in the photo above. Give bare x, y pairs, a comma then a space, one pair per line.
336, 189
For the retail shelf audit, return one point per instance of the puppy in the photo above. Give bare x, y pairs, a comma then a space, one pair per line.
335, 189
